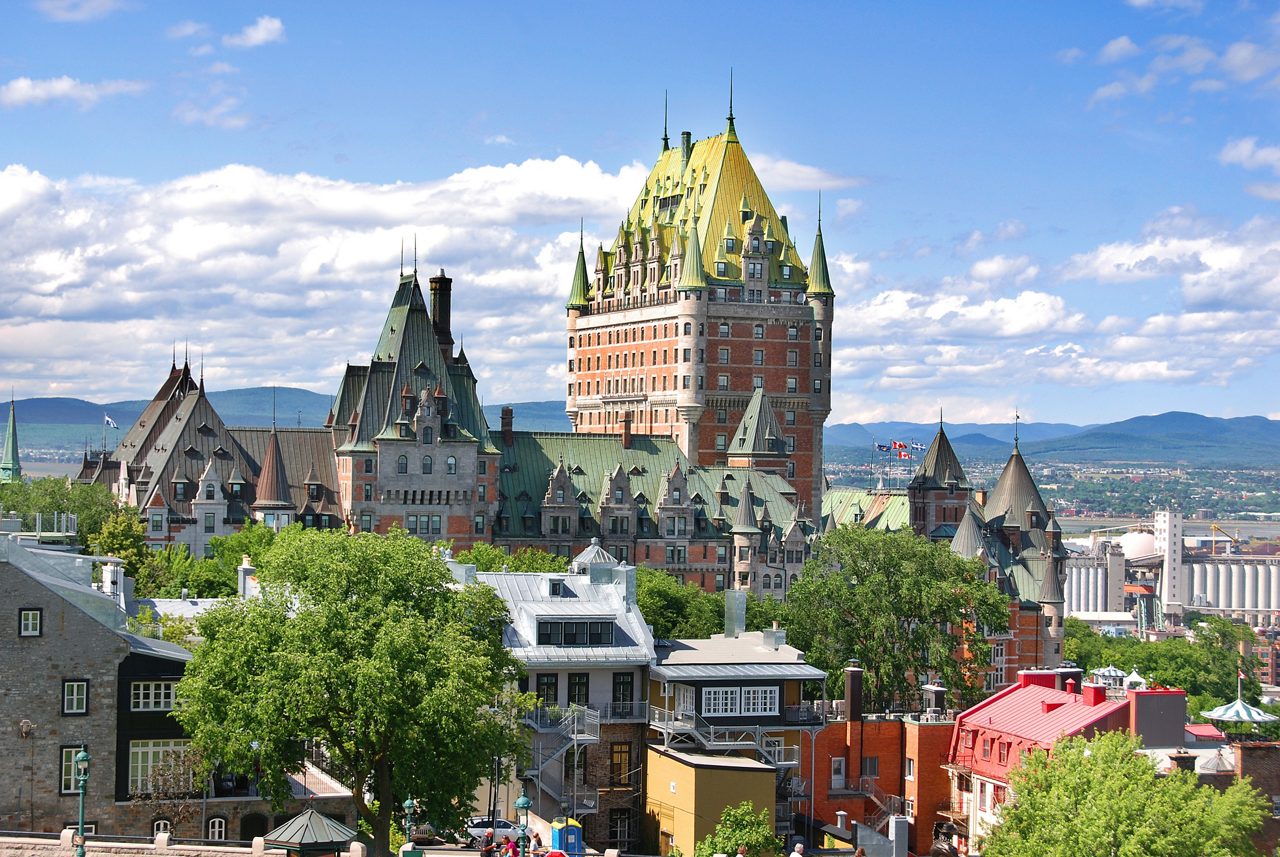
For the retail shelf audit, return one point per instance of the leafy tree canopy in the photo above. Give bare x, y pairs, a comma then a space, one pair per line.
122, 535
91, 504
486, 557
1103, 797
362, 643
741, 825
907, 608
687, 612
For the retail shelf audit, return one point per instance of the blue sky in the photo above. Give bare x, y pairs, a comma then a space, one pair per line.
1068, 209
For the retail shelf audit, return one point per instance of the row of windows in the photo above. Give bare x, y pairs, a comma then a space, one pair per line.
624, 336
402, 465
739, 701
575, 633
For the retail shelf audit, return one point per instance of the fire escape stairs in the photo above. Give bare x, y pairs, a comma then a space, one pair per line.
886, 804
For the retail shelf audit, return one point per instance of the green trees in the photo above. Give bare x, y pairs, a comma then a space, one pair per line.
1102, 797
486, 557
676, 610
122, 535
363, 644
741, 825
91, 504
905, 607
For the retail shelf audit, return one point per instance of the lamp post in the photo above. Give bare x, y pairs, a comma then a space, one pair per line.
408, 820
82, 780
522, 805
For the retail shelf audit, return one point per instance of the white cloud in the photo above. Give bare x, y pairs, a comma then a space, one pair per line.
186, 30
222, 114
77, 11
1067, 56
221, 68
847, 208
499, 140
1128, 85
1120, 48
1008, 230
779, 174
1264, 191
1003, 268
261, 32
852, 273
1192, 6
1246, 153
23, 91
1246, 61
1181, 55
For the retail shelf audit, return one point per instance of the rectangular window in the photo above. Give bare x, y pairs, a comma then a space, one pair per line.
600, 634
29, 621
722, 382
67, 782
482, 467
719, 583
817, 385
368, 465
719, 701
786, 272
870, 766
157, 523
909, 769
724, 355
411, 524
793, 358
1004, 753
986, 748
151, 696
548, 688
549, 633
208, 522
620, 763
792, 385
789, 418
791, 443
720, 269
620, 828
760, 700
757, 357
757, 382
579, 687
75, 696
366, 523
909, 808
435, 525
837, 772
149, 758
722, 441
479, 525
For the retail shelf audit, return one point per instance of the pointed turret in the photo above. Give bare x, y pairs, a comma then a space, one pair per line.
578, 292
819, 275
692, 276
967, 541
10, 466
759, 432
1015, 494
273, 484
941, 467
744, 520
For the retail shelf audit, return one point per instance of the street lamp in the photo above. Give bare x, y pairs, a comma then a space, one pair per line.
522, 805
82, 779
408, 819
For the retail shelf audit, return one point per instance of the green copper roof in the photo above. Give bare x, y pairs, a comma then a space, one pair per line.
692, 276
940, 467
819, 276
1015, 494
578, 292
759, 432
10, 467
872, 510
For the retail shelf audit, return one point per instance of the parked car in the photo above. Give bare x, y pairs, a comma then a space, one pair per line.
478, 824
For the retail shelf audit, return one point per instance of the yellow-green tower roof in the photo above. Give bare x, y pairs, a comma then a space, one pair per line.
578, 293
819, 276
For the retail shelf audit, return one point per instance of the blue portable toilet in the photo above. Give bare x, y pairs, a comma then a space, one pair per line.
566, 836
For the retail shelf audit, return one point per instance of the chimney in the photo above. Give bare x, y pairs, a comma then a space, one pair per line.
508, 418
842, 818
853, 692
735, 613
1094, 694
441, 288
243, 573
935, 696
626, 430
686, 147
980, 496
1071, 686
1184, 760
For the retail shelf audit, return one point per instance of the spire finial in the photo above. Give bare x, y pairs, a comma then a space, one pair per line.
402, 255
939, 417
730, 94
819, 209
174, 359
1016, 418
415, 254
582, 227
186, 352
666, 141
273, 407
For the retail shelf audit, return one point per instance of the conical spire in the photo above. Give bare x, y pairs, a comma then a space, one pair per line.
758, 432
730, 132
744, 520
666, 141
10, 466
691, 274
273, 484
940, 466
1015, 493
819, 275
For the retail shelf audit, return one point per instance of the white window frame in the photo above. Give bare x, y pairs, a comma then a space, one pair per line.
720, 701
30, 622
909, 769
75, 696
217, 830
145, 755
67, 784
762, 700
152, 696
684, 699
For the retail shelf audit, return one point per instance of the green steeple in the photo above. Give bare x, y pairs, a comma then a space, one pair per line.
10, 467
578, 294
819, 276
691, 274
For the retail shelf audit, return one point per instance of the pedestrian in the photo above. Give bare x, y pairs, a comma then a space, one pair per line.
798, 851
487, 846
742, 851
861, 852
535, 843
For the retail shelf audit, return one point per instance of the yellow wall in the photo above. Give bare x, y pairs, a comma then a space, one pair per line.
684, 801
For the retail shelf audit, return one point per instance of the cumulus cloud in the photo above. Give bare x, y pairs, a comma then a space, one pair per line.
77, 11
780, 174
1120, 48
499, 140
24, 92
1246, 61
847, 208
186, 30
224, 113
1003, 268
1247, 153
261, 32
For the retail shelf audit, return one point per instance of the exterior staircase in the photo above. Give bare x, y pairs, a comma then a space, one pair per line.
886, 804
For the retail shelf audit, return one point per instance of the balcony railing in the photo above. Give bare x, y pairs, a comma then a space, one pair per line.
802, 714
784, 756
622, 712
575, 721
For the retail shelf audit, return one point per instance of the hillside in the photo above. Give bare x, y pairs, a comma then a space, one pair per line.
1174, 438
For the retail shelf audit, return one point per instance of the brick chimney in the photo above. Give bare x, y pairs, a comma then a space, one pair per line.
441, 298
626, 430
853, 692
508, 419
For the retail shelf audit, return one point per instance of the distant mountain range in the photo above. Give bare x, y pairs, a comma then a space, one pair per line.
54, 428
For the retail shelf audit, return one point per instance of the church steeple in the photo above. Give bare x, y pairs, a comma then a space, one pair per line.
10, 466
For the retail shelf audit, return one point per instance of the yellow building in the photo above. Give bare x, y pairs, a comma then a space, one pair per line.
686, 792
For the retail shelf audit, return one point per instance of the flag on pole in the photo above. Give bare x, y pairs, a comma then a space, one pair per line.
883, 447
897, 444
902, 453
108, 422
1240, 674
916, 445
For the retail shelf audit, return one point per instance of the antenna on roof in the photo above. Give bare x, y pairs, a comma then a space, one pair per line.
299, 417
273, 407
730, 93
1016, 417
402, 255
415, 254
666, 141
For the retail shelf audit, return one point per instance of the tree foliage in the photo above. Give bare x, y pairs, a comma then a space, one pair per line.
91, 504
486, 557
1205, 666
363, 644
123, 536
741, 825
907, 608
1103, 797
687, 612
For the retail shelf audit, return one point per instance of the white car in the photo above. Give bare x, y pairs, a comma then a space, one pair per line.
478, 825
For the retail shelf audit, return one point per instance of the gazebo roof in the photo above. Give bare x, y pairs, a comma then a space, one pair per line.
310, 831
1238, 711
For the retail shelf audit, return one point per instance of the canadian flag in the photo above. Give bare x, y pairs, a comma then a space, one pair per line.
903, 454
897, 444
1240, 674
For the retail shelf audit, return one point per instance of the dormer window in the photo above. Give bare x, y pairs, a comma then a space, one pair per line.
208, 491
235, 490
730, 245
179, 490
675, 495
617, 495
755, 244
768, 246
313, 492
559, 495
786, 272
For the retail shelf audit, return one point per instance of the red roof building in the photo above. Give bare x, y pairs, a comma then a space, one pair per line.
1044, 706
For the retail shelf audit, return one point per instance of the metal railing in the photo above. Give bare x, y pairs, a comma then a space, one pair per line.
622, 712
576, 721
803, 713
786, 755
886, 804
708, 734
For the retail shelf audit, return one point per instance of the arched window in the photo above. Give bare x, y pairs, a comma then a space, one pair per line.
161, 825
767, 582
428, 434
217, 829
451, 465
688, 328
794, 578
758, 332
426, 464
402, 464
777, 581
